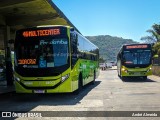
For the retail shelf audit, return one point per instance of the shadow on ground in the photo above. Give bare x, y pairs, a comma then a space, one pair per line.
27, 102
136, 79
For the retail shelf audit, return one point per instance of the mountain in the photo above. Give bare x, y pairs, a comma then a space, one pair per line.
109, 45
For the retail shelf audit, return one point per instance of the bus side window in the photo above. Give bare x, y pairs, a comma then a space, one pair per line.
74, 48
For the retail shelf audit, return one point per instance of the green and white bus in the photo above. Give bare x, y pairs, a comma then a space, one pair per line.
135, 60
53, 59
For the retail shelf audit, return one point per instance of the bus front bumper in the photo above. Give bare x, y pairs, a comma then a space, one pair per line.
61, 88
136, 72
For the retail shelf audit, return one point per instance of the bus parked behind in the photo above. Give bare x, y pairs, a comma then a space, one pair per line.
135, 60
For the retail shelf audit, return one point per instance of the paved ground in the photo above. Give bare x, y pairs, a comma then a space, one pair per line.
109, 93
4, 88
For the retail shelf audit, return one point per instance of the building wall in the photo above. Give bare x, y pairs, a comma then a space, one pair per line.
156, 70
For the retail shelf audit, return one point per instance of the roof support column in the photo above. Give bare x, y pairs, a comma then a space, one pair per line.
6, 36
9, 70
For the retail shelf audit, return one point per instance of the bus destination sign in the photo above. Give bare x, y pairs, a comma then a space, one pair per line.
38, 33
136, 46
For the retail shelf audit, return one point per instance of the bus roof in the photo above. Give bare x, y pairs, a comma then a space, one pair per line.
45, 26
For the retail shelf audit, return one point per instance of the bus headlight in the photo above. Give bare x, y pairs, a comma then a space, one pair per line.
65, 77
17, 79
149, 69
123, 69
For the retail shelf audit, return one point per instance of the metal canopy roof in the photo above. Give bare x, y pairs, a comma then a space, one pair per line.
27, 13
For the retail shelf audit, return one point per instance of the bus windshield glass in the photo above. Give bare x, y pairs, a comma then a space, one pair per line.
137, 57
42, 53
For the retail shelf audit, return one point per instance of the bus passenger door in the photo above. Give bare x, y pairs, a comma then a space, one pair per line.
74, 57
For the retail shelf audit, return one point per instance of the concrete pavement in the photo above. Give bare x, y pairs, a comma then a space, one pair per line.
4, 88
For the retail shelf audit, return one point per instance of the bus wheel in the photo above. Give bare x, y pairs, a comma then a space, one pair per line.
124, 78
145, 77
94, 78
80, 85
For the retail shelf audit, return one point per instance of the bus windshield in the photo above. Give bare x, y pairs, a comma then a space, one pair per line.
42, 53
137, 57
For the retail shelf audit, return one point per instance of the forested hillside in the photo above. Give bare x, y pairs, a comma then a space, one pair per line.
108, 45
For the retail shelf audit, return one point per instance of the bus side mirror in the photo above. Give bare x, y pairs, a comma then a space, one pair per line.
155, 56
155, 60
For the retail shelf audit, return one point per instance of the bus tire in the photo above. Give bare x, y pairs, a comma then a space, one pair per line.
123, 78
80, 84
94, 78
145, 77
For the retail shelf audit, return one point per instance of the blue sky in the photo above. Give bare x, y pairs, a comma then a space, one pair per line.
122, 18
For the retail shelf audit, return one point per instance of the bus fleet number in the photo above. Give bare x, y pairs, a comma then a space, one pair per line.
27, 61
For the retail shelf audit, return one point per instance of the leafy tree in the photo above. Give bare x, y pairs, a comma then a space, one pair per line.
154, 37
154, 34
158, 52
156, 48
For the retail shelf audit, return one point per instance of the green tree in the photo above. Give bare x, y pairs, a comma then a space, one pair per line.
154, 34
156, 48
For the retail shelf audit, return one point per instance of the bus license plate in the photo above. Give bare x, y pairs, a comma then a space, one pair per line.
136, 73
39, 91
